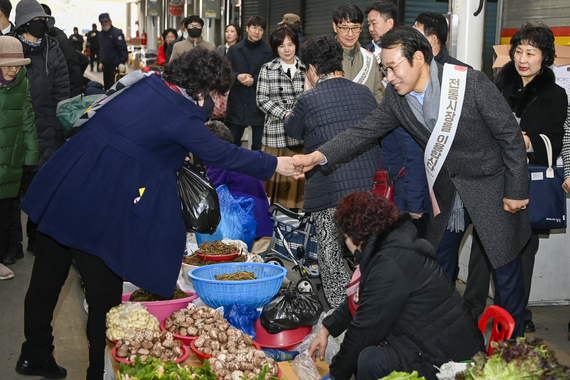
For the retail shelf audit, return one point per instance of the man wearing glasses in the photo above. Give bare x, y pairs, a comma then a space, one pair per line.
194, 25
358, 64
483, 172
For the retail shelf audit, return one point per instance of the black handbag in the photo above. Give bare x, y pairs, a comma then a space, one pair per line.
198, 200
547, 199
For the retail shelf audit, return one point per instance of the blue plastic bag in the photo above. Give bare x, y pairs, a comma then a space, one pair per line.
280, 355
238, 221
242, 317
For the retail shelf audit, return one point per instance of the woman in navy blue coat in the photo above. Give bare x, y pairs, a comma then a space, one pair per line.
108, 200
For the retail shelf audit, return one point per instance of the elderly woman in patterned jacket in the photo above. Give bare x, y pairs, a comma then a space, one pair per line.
280, 83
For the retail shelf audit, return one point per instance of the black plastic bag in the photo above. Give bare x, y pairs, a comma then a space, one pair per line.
290, 309
199, 200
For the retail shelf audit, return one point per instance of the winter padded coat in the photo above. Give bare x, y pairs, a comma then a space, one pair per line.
408, 305
49, 84
18, 141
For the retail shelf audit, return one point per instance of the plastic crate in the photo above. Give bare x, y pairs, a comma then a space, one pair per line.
255, 293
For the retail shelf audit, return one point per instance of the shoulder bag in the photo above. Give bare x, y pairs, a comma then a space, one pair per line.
547, 199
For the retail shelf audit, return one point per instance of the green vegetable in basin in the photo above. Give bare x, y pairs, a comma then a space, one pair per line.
514, 360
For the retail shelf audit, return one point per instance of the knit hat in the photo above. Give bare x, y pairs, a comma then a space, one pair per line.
27, 10
11, 53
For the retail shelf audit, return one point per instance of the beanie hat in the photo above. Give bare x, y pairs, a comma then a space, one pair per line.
27, 10
11, 53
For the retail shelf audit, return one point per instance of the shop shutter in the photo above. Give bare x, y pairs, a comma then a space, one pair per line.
277, 8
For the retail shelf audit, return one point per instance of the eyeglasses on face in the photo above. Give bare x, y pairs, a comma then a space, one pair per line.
346, 29
390, 70
190, 26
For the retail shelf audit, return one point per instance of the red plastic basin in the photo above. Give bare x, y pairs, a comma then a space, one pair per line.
285, 340
184, 338
186, 353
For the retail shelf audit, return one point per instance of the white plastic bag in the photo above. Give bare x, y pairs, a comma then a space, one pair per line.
333, 344
305, 368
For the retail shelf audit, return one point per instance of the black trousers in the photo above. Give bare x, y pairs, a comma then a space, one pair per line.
5, 223
94, 58
374, 363
256, 132
109, 76
479, 274
103, 290
508, 279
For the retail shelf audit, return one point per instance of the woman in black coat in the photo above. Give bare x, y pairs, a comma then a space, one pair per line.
539, 104
49, 84
402, 313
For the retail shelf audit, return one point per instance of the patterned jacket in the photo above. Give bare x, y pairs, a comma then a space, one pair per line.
276, 95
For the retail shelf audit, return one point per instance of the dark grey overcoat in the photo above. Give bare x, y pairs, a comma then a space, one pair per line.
486, 163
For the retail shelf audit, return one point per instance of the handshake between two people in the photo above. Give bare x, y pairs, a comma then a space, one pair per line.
297, 165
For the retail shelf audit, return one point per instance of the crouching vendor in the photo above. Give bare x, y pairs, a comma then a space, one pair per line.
403, 313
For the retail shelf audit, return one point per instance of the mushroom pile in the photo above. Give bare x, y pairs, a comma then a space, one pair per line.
234, 354
150, 344
194, 321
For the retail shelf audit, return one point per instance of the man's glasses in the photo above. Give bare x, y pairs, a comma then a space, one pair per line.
190, 26
390, 70
346, 29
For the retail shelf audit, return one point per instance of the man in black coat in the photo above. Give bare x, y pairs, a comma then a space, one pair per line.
77, 40
246, 58
72, 57
112, 49
182, 37
93, 42
5, 25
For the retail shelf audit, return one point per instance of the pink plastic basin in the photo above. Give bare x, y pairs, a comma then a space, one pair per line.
163, 309
285, 340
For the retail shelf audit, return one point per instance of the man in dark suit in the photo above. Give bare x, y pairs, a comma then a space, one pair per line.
5, 25
484, 177
93, 42
247, 57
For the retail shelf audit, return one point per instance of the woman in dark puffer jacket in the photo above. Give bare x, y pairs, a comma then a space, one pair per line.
402, 313
49, 84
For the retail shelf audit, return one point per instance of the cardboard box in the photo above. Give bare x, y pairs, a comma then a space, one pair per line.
502, 51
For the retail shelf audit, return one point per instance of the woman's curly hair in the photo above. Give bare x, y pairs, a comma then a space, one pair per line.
538, 35
362, 214
200, 71
323, 52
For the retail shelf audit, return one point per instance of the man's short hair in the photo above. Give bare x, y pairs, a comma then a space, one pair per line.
434, 23
387, 9
410, 41
190, 19
349, 13
6, 7
323, 52
257, 21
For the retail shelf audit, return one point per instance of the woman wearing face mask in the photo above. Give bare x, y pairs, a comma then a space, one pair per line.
168, 36
280, 83
49, 84
232, 35
108, 200
528, 84
19, 141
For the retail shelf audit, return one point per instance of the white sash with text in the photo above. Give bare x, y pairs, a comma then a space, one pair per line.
441, 139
